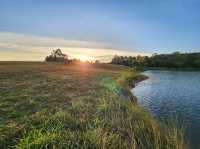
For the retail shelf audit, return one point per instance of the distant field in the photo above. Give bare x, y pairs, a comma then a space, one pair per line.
52, 105
29, 88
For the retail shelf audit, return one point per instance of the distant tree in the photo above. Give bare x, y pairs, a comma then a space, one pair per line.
57, 56
174, 60
97, 62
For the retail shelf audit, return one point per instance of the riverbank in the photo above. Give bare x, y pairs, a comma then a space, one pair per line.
72, 106
127, 81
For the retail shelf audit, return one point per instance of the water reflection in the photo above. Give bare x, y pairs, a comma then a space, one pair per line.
169, 94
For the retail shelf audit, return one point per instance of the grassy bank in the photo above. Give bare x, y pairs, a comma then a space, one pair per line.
46, 105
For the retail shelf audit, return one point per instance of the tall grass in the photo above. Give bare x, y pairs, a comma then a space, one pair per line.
109, 122
79, 113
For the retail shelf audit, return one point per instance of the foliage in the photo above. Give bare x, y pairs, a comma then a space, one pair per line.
174, 60
56, 56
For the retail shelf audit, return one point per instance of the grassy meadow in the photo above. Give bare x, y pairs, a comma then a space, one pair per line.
52, 105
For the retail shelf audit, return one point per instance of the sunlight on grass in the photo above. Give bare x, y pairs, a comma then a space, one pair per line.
82, 110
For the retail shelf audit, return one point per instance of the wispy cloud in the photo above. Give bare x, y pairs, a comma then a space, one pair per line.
14, 46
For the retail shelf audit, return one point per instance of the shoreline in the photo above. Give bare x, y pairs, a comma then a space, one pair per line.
133, 83
129, 83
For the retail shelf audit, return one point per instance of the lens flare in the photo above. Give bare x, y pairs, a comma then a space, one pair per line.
84, 58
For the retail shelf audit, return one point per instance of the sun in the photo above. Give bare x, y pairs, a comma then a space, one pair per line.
84, 58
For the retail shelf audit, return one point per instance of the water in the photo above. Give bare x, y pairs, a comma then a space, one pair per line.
173, 94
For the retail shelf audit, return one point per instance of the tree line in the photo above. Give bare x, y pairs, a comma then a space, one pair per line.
174, 60
58, 56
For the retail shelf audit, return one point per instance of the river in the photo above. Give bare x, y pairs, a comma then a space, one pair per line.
173, 95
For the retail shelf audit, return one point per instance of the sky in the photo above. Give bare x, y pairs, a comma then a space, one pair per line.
99, 29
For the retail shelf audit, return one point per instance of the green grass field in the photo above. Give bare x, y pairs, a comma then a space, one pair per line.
51, 105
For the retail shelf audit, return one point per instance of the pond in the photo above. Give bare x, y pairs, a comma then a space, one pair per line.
173, 95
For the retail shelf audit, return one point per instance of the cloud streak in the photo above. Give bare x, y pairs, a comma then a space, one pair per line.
14, 46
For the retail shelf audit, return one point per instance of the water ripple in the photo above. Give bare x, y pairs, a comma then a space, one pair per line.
173, 93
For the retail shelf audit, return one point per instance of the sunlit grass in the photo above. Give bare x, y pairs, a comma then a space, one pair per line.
57, 106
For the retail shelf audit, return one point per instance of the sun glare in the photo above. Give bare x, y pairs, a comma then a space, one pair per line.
84, 58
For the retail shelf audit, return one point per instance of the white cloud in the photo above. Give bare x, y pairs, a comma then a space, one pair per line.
15, 46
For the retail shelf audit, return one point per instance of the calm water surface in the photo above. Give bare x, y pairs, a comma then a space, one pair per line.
173, 94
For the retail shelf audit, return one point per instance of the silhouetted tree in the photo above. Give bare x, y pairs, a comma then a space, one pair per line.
57, 56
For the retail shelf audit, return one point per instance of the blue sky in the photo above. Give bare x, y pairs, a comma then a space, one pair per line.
98, 28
